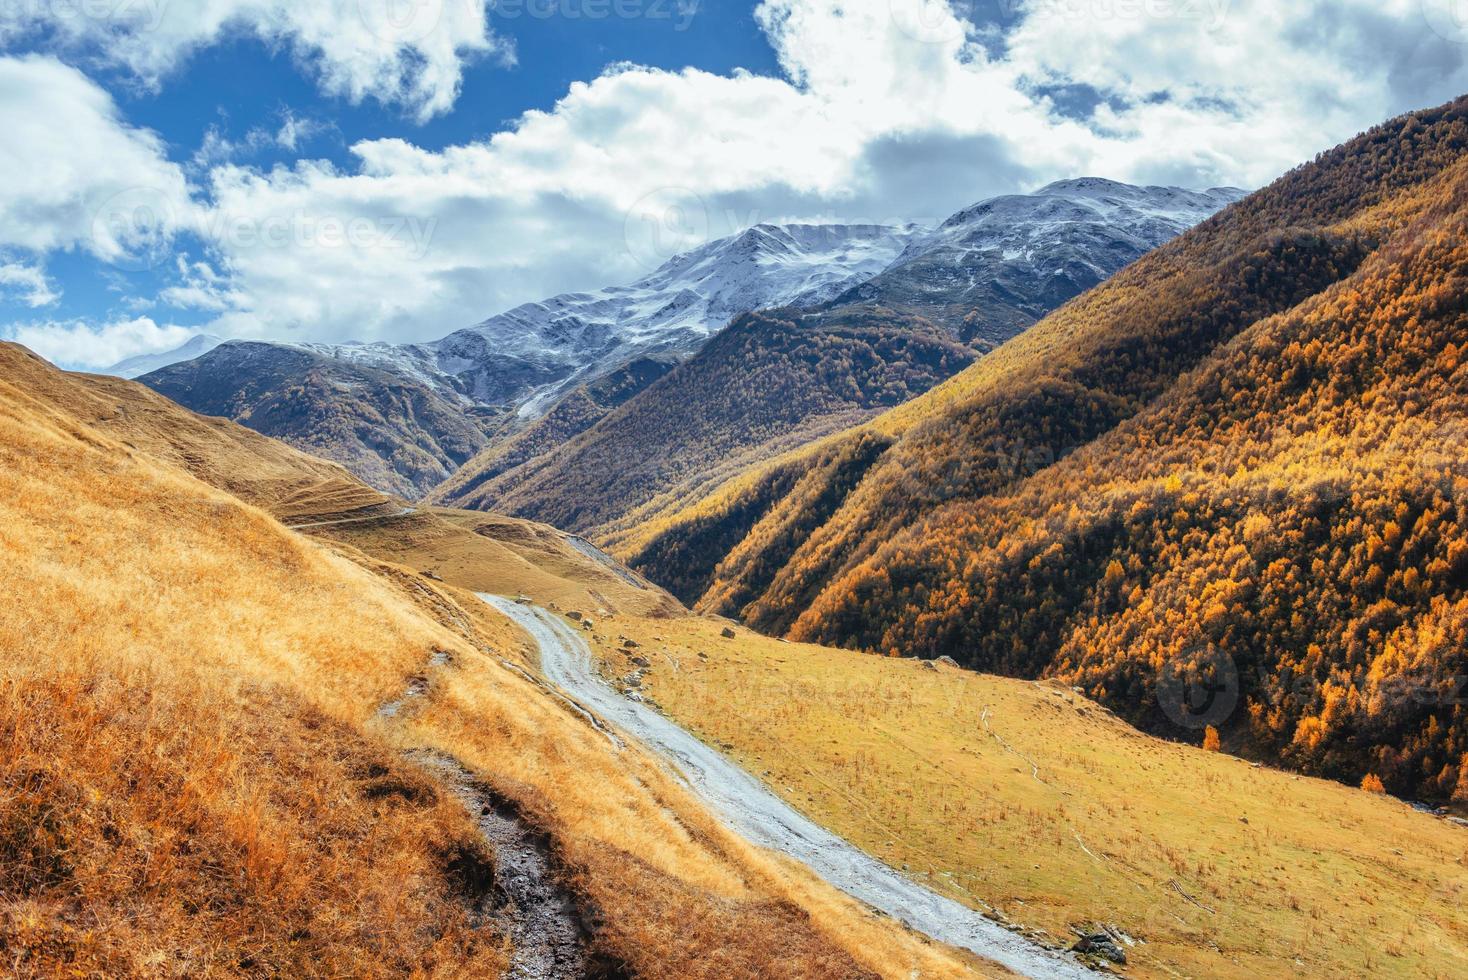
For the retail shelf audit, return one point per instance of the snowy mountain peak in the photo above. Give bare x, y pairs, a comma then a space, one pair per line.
557, 343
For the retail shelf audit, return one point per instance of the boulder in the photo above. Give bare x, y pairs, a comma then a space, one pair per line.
947, 661
629, 644
1101, 945
728, 633
574, 616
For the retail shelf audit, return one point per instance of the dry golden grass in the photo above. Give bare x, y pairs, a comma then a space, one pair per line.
501, 555
195, 779
260, 471
1030, 799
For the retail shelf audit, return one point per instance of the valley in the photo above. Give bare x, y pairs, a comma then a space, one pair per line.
1075, 586
1025, 801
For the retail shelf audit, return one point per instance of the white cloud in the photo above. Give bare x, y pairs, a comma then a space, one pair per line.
76, 175
405, 52
30, 282
890, 110
82, 346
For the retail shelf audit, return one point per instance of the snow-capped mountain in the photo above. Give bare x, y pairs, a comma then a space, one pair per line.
528, 356
136, 367
1012, 259
982, 276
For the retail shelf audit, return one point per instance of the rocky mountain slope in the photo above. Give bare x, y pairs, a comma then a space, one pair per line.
775, 381
995, 268
1235, 468
390, 429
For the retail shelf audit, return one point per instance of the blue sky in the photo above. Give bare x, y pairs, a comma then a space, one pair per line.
396, 169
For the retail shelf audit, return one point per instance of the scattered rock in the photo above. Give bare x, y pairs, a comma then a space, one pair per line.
588, 625
524, 600
431, 575
702, 655
1101, 945
728, 633
640, 662
633, 680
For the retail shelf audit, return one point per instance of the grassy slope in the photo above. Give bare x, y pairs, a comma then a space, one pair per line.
289, 484
1223, 869
194, 777
504, 556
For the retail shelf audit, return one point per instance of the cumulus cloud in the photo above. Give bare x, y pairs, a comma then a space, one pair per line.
76, 175
29, 282
410, 53
888, 111
88, 346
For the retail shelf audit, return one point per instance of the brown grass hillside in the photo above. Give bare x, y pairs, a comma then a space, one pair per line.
289, 484
1238, 458
196, 780
1034, 801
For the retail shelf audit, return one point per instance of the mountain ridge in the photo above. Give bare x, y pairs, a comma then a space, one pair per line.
951, 296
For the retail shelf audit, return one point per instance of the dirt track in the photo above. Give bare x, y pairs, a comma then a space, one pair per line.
757, 814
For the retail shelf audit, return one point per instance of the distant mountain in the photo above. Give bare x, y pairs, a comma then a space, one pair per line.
497, 376
1226, 488
389, 428
537, 352
775, 381
136, 367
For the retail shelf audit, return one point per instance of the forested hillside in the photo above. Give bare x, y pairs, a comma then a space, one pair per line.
769, 382
1237, 466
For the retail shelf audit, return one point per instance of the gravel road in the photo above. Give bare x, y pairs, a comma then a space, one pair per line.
757, 814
